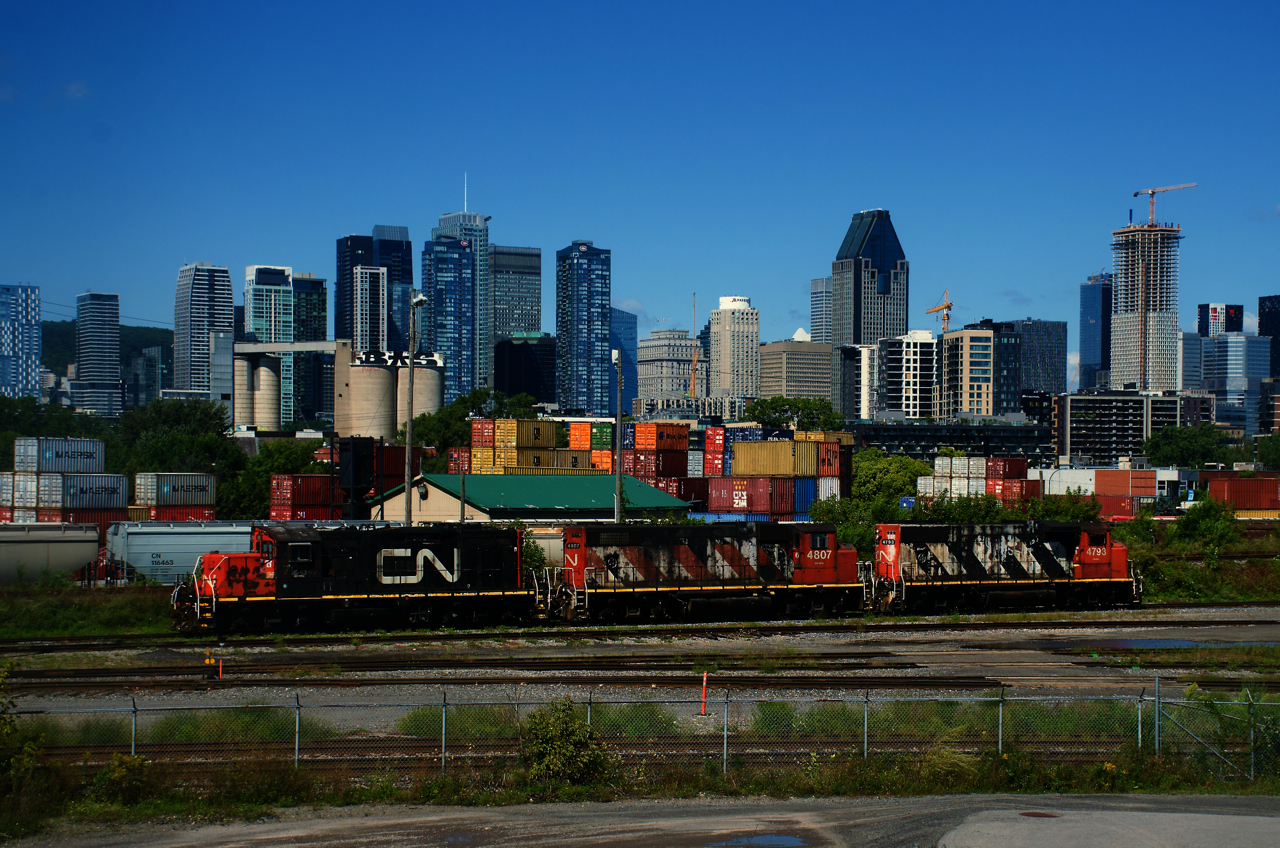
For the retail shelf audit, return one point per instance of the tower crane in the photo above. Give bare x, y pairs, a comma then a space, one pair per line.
944, 308
1151, 195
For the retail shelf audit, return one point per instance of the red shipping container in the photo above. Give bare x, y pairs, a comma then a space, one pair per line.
670, 485
303, 513
49, 516
995, 485
1015, 468
1108, 481
1115, 505
714, 440
629, 462
738, 494
1247, 493
713, 463
182, 513
482, 432
6, 514
602, 459
311, 489
671, 463
459, 460
782, 495
694, 490
828, 459
671, 437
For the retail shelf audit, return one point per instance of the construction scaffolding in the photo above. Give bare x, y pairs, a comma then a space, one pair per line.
1144, 324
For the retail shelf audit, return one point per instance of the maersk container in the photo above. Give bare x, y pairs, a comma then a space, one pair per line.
806, 493
49, 491
26, 491
828, 487
6, 489
175, 489
95, 491
58, 456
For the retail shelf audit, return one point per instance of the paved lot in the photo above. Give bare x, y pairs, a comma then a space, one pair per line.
954, 821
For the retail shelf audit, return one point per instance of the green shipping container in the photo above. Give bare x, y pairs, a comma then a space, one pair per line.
601, 435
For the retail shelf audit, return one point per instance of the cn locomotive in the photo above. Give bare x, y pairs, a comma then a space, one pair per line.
432, 575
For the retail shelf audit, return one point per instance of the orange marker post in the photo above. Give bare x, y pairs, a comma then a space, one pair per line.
704, 693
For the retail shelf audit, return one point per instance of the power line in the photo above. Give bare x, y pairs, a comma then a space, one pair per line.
130, 317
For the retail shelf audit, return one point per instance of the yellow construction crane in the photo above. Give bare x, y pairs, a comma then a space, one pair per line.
945, 309
1151, 194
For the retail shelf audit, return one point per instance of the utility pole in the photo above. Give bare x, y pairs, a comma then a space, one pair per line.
415, 299
617, 442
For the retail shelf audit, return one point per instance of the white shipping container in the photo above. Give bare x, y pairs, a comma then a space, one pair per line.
175, 489
696, 459
49, 491
62, 456
6, 488
942, 466
959, 487
941, 486
977, 486
25, 491
24, 516
977, 467
828, 487
924, 485
95, 491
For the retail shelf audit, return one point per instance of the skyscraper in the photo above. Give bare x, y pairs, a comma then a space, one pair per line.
1234, 366
97, 387
368, 309
1144, 322
583, 291
310, 308
859, 381
869, 282
1008, 364
623, 338
20, 341
905, 382
735, 349
516, 273
203, 305
1044, 356
449, 315
353, 251
312, 392
820, 310
663, 365
1190, 361
1095, 328
149, 374
393, 250
1213, 319
526, 364
268, 317
1269, 326
474, 229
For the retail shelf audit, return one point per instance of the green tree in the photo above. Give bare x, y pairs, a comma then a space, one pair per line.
450, 427
782, 413
1186, 447
1269, 451
950, 452
247, 495
877, 482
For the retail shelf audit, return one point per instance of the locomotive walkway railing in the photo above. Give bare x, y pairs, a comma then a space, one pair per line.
1235, 738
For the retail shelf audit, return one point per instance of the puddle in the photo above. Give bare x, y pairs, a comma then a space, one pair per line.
764, 840
1119, 644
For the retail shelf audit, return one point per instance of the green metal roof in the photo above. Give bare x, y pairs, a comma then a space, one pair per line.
555, 492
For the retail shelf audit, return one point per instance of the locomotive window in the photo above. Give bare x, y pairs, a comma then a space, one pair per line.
1098, 540
818, 541
300, 553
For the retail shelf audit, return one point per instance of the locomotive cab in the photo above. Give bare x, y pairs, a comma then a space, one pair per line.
820, 558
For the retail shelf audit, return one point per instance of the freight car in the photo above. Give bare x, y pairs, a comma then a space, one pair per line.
309, 578
934, 567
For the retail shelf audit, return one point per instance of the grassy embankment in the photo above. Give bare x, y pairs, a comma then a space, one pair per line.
73, 611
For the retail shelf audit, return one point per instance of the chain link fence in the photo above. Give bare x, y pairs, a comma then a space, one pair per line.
1237, 738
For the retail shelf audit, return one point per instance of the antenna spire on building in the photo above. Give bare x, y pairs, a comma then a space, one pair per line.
464, 191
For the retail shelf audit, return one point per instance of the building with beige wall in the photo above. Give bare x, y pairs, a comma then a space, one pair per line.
795, 369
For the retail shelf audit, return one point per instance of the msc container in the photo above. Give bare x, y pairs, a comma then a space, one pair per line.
629, 436
504, 432
579, 435
601, 435
828, 459
573, 458
694, 490
481, 432
782, 495
942, 466
535, 433
535, 458
43, 455
6, 489
602, 459
775, 459
697, 460
95, 491
671, 463
460, 460
49, 491
304, 490
26, 491
175, 489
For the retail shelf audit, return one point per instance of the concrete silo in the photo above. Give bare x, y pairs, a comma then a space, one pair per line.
242, 400
371, 407
266, 393
428, 390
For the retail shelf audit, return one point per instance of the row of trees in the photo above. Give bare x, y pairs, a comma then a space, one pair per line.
1193, 447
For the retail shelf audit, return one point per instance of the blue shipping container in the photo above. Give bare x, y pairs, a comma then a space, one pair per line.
628, 436
806, 493
906, 503
778, 435
802, 517
757, 516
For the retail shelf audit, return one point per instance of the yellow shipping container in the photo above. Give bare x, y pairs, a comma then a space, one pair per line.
536, 434
809, 436
573, 459
504, 433
504, 457
481, 458
535, 458
1268, 514
833, 436
775, 459
556, 471
490, 469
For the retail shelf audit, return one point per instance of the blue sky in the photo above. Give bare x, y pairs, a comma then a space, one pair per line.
714, 148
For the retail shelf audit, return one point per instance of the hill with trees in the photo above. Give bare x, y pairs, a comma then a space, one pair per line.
58, 343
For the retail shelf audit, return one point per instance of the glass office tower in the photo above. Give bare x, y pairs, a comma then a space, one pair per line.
449, 315
623, 338
1095, 328
203, 305
583, 291
20, 341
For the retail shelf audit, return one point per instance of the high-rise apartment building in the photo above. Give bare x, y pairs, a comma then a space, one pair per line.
474, 229
310, 308
1009, 361
1144, 320
859, 382
353, 252
393, 250
1213, 319
149, 374
1235, 364
526, 364
20, 341
664, 363
1044, 355
623, 338
795, 369
1190, 361
1095, 328
269, 317
203, 305
312, 370
1269, 326
820, 310
584, 276
869, 282
368, 309
966, 373
1105, 426
516, 273
97, 387
735, 349
906, 373
449, 267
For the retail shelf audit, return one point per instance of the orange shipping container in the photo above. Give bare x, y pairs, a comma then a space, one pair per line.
602, 459
579, 435
482, 432
828, 459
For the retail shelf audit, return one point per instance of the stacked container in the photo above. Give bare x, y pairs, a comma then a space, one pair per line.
174, 497
460, 460
602, 460
305, 497
580, 435
1247, 493
482, 432
696, 464
781, 459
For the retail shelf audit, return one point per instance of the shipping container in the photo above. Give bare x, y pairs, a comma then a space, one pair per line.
481, 458
574, 458
1006, 468
802, 518
580, 435
670, 485
629, 436
775, 459
102, 519
977, 487
460, 460
504, 432
43, 455
535, 433
628, 462
693, 490
646, 436
771, 435
26, 490
6, 489
671, 463
6, 514
698, 440
828, 487
481, 432
728, 461
535, 458
1247, 493
602, 459
714, 439
942, 466
172, 513
304, 512
152, 489
977, 467
1115, 505
516, 471
744, 433
995, 486
959, 487
305, 489
696, 463
782, 495
506, 457
713, 464
1264, 514
671, 437
828, 459
762, 517
601, 435
924, 486
24, 516
95, 491
737, 494
806, 493
49, 491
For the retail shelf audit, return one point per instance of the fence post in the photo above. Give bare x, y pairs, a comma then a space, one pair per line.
1156, 734
133, 735
866, 703
1140, 697
725, 761
297, 727
589, 694
1251, 749
1000, 723
444, 728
